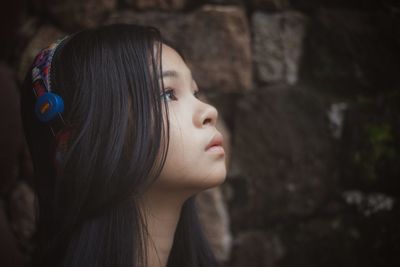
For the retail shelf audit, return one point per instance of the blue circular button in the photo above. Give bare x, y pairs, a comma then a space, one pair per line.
48, 106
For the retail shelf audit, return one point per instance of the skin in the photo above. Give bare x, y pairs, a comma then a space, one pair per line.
189, 168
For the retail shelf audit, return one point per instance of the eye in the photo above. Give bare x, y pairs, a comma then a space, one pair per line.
197, 93
169, 94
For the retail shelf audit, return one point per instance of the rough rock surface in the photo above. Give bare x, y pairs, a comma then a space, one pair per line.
214, 215
270, 5
73, 15
283, 149
11, 141
220, 59
352, 51
156, 4
22, 211
12, 15
257, 249
278, 45
44, 36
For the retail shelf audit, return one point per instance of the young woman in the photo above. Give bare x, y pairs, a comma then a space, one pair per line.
121, 144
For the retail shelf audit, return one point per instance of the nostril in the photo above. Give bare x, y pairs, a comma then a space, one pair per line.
206, 121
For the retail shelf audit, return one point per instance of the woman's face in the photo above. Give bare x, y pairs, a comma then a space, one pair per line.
189, 166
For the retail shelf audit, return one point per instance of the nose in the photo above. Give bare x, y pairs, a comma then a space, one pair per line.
208, 115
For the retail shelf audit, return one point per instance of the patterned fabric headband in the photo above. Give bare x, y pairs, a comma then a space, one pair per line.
49, 106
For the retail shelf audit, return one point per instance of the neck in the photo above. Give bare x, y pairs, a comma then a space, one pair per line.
162, 212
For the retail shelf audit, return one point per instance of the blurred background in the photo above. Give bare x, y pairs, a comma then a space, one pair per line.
308, 93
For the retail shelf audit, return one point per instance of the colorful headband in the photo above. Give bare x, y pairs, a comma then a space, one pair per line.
48, 104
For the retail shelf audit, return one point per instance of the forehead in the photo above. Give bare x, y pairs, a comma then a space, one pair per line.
171, 60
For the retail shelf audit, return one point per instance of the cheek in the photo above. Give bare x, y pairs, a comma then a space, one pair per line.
181, 158
175, 159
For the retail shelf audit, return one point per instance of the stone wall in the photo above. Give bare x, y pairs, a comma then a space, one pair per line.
308, 93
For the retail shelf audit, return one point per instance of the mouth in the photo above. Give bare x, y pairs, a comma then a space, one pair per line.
216, 149
215, 145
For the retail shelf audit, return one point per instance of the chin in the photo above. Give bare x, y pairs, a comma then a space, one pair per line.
193, 181
215, 177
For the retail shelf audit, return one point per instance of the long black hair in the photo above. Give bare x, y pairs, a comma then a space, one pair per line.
88, 213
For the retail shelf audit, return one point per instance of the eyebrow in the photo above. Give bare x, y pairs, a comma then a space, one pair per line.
172, 74
169, 73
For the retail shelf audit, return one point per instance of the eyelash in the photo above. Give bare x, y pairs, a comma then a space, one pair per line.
170, 90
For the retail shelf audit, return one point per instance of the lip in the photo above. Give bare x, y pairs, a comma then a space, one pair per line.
216, 142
